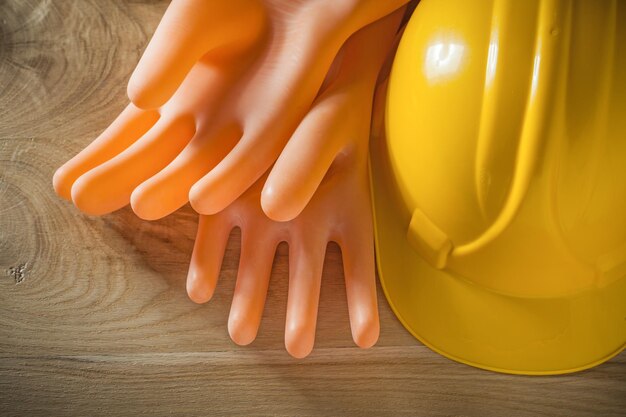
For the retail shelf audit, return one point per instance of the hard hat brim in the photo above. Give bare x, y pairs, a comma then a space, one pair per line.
476, 326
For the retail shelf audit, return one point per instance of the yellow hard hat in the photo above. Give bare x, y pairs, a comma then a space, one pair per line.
500, 186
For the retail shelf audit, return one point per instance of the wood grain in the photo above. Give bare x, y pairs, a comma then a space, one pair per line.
94, 319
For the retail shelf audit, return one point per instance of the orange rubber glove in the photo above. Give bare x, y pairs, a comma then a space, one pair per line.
333, 134
241, 75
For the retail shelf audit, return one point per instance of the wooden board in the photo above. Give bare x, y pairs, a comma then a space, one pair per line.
94, 319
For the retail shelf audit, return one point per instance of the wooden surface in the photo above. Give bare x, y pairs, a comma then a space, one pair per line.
94, 319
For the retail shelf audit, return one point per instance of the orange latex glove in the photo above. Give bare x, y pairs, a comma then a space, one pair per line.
333, 134
241, 75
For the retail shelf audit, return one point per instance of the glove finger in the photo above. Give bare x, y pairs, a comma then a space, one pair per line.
234, 174
188, 31
255, 268
168, 190
108, 187
305, 160
207, 256
127, 128
357, 248
306, 261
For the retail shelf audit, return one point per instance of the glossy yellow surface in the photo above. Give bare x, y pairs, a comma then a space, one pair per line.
500, 192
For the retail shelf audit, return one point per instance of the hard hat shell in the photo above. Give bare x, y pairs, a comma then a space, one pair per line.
500, 190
